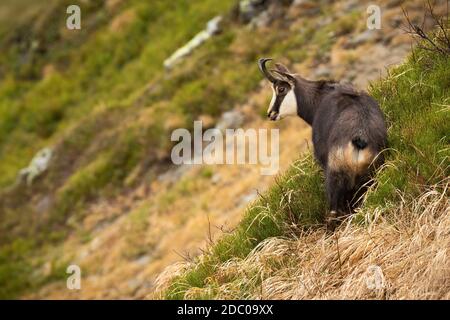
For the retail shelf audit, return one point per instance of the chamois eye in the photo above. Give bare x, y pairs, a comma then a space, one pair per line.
281, 89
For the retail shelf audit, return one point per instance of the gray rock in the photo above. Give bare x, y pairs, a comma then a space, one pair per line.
143, 260
350, 5
44, 204
173, 175
262, 20
230, 120
38, 165
364, 37
216, 178
250, 9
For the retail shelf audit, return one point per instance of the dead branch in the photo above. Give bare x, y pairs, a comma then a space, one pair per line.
439, 41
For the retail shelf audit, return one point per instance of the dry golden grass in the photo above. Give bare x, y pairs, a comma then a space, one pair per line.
167, 222
409, 243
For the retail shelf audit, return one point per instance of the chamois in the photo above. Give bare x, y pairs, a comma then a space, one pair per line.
348, 128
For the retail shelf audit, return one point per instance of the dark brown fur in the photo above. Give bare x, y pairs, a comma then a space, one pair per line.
349, 133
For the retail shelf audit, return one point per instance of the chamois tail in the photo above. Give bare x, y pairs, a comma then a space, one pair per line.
359, 143
360, 140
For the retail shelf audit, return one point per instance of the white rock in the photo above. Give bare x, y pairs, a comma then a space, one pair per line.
38, 165
212, 28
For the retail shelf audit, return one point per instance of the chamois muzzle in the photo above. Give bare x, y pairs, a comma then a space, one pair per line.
262, 66
272, 115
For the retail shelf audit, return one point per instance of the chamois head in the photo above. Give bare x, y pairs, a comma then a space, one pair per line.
284, 101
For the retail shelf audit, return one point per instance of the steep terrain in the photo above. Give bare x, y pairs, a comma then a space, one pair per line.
110, 200
395, 247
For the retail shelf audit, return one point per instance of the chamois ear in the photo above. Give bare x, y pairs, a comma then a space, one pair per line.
282, 68
285, 76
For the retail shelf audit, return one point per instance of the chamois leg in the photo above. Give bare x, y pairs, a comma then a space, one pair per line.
337, 188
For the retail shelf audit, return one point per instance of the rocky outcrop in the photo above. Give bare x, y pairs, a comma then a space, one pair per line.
38, 165
212, 28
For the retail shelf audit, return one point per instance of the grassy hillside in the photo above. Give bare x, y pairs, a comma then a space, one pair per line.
415, 99
101, 99
87, 95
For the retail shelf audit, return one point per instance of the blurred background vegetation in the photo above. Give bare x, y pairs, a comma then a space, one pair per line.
101, 99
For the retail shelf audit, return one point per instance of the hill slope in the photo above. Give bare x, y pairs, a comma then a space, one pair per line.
110, 200
280, 250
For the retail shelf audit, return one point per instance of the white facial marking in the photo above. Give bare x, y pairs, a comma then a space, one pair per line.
288, 105
272, 102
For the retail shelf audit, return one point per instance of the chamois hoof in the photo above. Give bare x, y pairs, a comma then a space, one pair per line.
332, 221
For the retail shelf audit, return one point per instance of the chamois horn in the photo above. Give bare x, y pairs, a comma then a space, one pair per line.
262, 66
